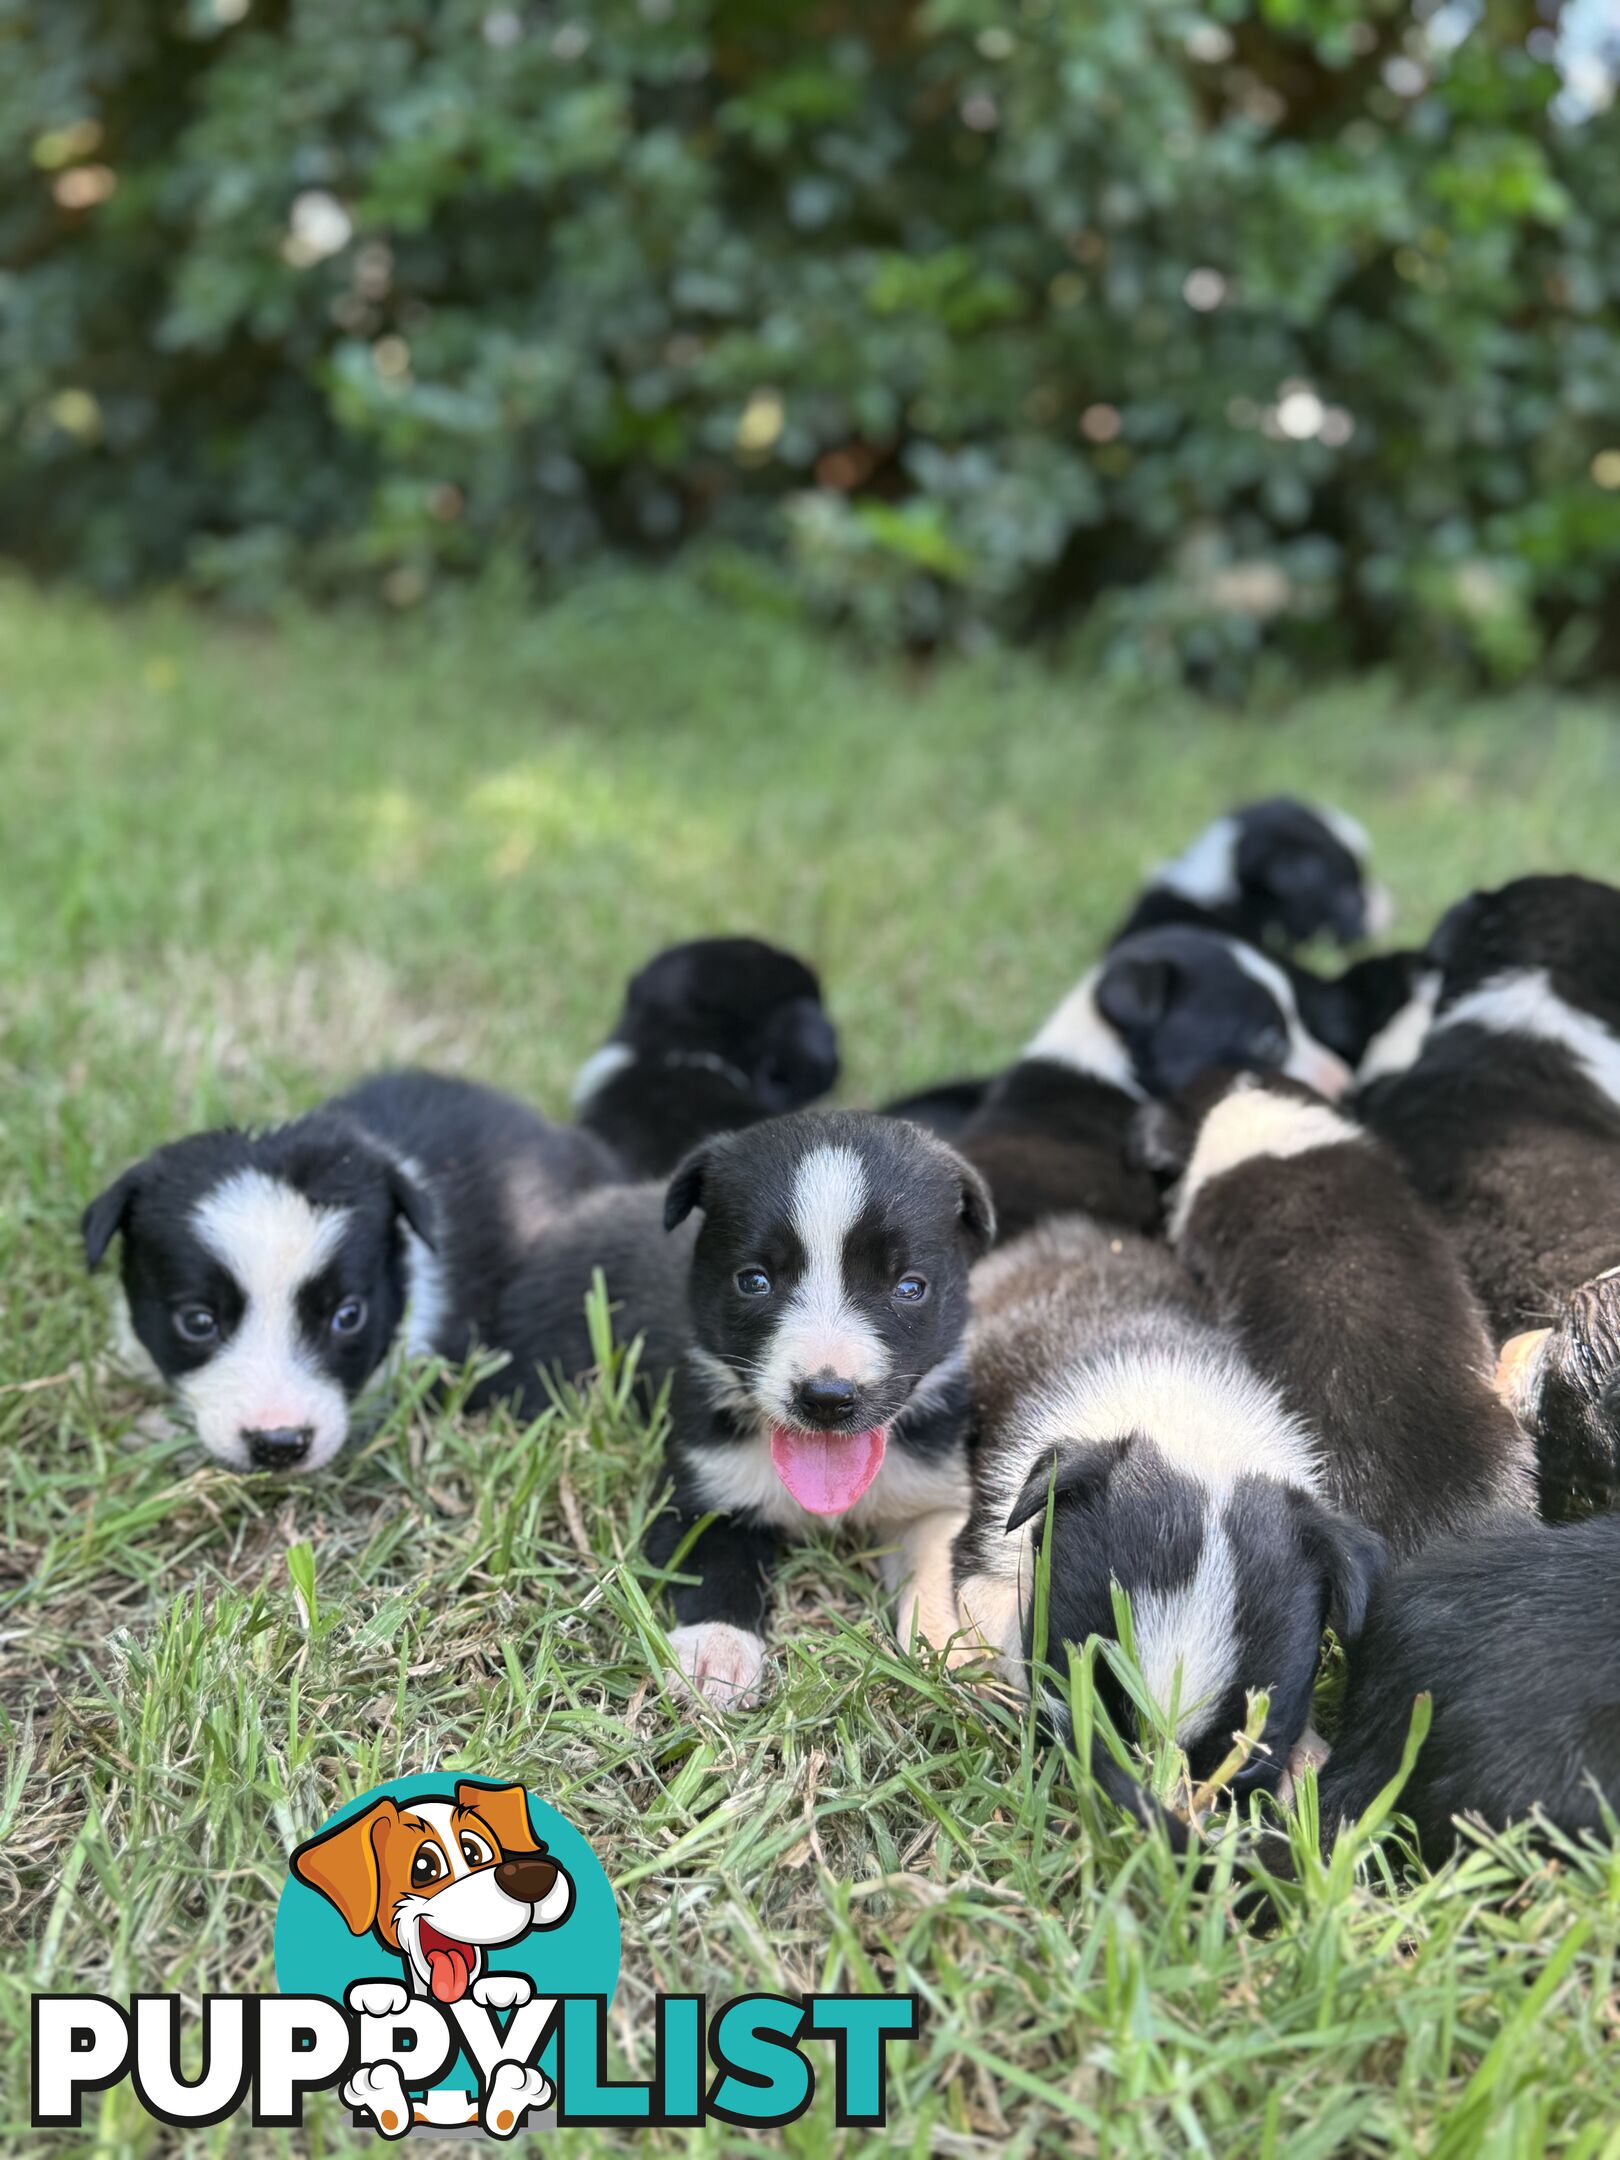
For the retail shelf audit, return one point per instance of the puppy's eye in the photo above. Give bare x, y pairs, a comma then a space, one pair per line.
350, 1317
427, 1867
474, 1851
911, 1289
196, 1323
754, 1282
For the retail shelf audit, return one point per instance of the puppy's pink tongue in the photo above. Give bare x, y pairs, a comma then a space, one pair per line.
448, 1974
826, 1472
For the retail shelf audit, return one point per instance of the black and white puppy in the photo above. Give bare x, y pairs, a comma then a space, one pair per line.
1344, 1291
1174, 1470
1499, 1088
824, 1379
1279, 872
1516, 1637
1053, 1135
714, 1035
266, 1277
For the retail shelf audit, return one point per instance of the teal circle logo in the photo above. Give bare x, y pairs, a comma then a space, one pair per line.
444, 1893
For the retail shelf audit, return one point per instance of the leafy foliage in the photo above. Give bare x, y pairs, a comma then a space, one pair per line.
1285, 322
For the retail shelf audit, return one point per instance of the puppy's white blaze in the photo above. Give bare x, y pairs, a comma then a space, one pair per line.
273, 1241
598, 1069
1191, 1629
1079, 1037
1249, 1123
1205, 871
1307, 1060
1348, 831
1399, 1042
1522, 1001
821, 1328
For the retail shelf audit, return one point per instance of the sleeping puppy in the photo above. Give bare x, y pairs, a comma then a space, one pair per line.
1053, 1135
714, 1035
1279, 872
1516, 1637
1499, 1088
267, 1277
823, 1380
1345, 1293
1174, 1470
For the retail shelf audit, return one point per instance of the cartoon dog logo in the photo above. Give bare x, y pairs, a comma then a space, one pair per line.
439, 1882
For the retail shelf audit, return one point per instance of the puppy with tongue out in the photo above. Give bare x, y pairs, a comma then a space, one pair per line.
823, 1382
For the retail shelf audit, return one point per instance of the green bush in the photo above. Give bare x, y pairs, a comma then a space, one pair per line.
1284, 323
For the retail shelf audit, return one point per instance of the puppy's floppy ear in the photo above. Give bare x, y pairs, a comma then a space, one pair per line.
1133, 994
342, 1864
1351, 1556
977, 1211
413, 1203
505, 1808
104, 1217
686, 1186
1080, 1472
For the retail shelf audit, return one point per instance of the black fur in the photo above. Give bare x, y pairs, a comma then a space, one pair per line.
1344, 1291
1291, 878
1516, 1637
1052, 1141
1518, 1151
721, 1032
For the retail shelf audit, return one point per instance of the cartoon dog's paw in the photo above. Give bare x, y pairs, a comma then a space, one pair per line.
502, 1991
380, 2090
377, 1998
514, 2088
718, 1663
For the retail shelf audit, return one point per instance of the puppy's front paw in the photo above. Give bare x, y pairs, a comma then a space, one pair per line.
379, 2089
502, 1991
377, 1998
1309, 1752
718, 1663
513, 2088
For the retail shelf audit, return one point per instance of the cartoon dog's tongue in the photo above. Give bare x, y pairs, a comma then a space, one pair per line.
826, 1472
449, 1965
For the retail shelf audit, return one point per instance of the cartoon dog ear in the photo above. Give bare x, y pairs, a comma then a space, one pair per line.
505, 1808
1352, 1558
104, 1217
686, 1186
342, 1865
977, 1211
1081, 1471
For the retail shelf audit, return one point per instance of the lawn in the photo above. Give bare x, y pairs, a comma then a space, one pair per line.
243, 865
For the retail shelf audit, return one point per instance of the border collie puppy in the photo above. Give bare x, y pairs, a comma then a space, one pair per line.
1499, 1087
1174, 1470
1516, 1637
1278, 872
824, 1379
1053, 1136
714, 1035
1346, 1294
267, 1277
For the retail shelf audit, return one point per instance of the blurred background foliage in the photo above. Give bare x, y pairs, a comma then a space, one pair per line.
1189, 332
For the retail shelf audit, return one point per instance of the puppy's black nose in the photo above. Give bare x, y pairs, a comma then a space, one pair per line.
824, 1397
279, 1448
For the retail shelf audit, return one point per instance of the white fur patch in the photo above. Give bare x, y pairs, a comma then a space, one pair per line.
1206, 871
1522, 1001
598, 1069
1251, 1123
1079, 1037
821, 1329
1399, 1042
719, 1663
1348, 831
1308, 1060
263, 1379
427, 1288
1186, 1638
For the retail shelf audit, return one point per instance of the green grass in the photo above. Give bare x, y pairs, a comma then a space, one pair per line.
241, 867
